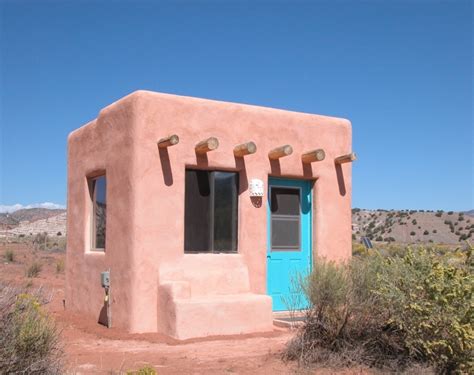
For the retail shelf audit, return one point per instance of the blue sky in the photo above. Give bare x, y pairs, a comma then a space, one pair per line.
401, 71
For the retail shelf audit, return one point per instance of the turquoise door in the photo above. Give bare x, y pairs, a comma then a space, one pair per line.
289, 241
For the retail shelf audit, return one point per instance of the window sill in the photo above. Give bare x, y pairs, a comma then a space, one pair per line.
211, 252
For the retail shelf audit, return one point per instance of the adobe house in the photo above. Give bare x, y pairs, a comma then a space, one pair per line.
202, 211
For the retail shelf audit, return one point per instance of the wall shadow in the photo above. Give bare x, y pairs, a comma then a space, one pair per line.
202, 160
103, 315
340, 180
243, 179
166, 166
307, 170
275, 167
256, 201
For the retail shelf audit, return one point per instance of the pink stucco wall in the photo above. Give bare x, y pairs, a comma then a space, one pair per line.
152, 280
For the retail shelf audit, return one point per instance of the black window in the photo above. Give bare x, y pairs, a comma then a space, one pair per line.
97, 190
210, 221
285, 218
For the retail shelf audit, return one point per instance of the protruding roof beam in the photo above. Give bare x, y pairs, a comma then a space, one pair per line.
345, 158
314, 155
168, 141
280, 152
207, 145
245, 149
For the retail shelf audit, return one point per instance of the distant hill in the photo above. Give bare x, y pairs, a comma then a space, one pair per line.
470, 213
412, 226
32, 221
406, 226
28, 214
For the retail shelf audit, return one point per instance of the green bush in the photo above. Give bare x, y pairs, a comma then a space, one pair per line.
430, 298
391, 312
9, 255
29, 340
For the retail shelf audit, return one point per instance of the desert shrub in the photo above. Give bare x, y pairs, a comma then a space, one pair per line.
379, 238
439, 213
358, 249
412, 233
450, 212
59, 245
9, 255
390, 312
414, 222
425, 233
146, 370
435, 231
34, 269
345, 317
59, 234
393, 250
29, 343
60, 266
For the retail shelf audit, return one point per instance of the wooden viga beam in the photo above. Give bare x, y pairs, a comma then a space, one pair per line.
314, 155
280, 152
207, 145
168, 141
245, 149
345, 158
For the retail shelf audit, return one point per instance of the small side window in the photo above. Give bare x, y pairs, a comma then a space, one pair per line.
98, 195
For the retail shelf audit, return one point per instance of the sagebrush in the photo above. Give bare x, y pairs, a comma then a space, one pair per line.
29, 340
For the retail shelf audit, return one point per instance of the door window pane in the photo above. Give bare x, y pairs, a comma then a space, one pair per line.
285, 201
285, 219
285, 233
211, 200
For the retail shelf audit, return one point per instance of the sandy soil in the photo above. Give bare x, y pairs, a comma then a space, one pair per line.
93, 349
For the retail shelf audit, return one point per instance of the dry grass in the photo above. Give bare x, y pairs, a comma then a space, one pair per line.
34, 269
9, 255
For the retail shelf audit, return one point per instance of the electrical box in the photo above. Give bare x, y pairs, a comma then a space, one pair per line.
105, 279
256, 187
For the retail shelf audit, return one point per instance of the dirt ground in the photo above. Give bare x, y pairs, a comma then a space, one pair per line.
93, 349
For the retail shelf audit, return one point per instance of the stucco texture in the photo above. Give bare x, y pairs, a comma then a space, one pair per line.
155, 286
